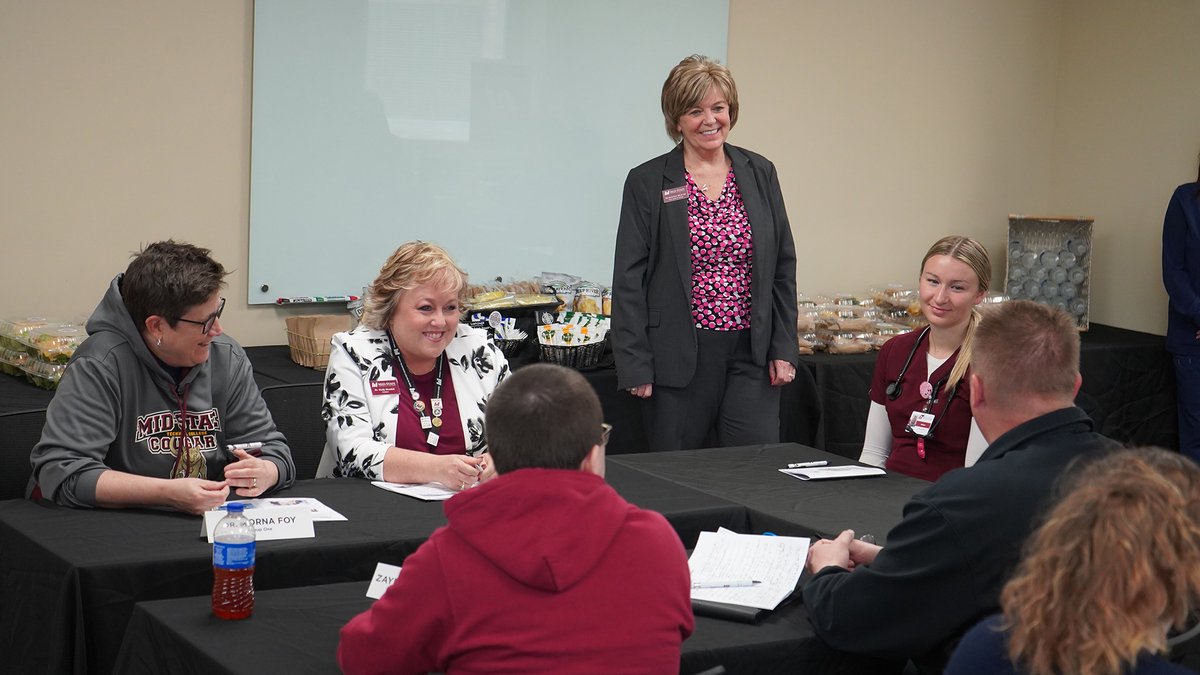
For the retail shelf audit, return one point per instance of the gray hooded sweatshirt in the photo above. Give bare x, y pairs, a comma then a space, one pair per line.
118, 408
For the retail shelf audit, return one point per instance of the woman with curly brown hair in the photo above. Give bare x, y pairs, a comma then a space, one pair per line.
1115, 565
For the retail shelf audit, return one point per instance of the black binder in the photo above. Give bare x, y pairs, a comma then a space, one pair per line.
724, 610
740, 613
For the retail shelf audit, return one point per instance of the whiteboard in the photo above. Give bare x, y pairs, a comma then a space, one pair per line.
500, 129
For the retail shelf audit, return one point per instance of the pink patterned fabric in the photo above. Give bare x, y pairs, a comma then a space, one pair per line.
722, 256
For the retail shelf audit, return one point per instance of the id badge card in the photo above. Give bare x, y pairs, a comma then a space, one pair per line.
920, 423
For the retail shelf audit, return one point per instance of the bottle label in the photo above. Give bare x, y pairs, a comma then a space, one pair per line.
233, 556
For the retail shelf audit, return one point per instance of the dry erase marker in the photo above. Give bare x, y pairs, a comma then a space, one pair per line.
737, 583
253, 449
316, 298
807, 465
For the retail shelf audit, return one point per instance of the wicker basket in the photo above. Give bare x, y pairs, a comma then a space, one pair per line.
307, 352
309, 338
511, 348
582, 356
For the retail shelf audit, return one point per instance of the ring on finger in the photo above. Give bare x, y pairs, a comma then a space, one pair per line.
253, 483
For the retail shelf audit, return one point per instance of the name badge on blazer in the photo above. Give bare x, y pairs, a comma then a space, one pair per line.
384, 387
674, 194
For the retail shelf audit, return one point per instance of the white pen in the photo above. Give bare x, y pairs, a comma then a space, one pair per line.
807, 465
248, 447
738, 583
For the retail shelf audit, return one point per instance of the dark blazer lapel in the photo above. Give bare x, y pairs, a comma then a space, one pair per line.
674, 218
752, 194
761, 223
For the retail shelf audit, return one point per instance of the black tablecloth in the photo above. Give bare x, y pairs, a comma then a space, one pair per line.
69, 578
1128, 388
780, 503
296, 631
799, 412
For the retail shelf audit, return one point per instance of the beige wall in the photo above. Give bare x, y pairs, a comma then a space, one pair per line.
892, 123
1126, 132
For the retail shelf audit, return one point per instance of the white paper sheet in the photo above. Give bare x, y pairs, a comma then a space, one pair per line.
827, 472
320, 512
429, 492
776, 562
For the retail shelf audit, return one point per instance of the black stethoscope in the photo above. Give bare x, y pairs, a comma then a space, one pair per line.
895, 387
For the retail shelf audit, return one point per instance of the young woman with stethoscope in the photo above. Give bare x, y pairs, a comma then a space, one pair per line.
920, 421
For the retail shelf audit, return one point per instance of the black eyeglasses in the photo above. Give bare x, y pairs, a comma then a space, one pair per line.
207, 325
605, 431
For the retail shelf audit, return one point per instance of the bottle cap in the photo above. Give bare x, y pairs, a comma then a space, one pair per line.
235, 507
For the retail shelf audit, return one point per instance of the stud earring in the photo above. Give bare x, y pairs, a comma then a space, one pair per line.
159, 343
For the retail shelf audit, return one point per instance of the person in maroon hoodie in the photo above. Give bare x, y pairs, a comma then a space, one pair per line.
544, 568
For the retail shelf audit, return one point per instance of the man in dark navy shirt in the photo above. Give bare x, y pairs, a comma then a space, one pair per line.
875, 608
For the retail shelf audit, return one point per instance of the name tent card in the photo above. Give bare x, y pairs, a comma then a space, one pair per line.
384, 576
293, 521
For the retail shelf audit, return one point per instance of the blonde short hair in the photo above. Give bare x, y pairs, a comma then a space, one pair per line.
414, 264
1024, 349
688, 84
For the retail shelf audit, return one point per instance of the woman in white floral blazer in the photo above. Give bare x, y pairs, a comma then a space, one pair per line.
405, 392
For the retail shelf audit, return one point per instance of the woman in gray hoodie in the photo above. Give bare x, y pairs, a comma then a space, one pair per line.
149, 403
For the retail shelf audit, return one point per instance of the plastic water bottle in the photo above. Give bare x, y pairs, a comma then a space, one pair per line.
233, 565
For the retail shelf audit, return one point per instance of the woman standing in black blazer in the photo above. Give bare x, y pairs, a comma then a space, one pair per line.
704, 282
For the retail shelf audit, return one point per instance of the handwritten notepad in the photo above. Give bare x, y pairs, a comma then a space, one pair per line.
827, 472
774, 562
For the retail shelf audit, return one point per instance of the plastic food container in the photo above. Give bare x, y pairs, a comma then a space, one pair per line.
886, 331
847, 342
897, 296
1049, 261
848, 300
43, 374
840, 318
13, 331
12, 360
55, 343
